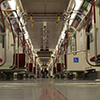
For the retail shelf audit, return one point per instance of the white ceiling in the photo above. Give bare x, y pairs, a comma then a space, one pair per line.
45, 5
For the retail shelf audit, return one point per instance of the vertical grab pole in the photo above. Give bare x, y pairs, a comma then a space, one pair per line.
52, 67
4, 37
28, 57
36, 67
18, 49
95, 33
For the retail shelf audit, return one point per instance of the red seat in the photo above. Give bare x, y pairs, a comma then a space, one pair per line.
1, 60
93, 58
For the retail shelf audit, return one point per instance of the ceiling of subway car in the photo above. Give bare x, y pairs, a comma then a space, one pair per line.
44, 11
49, 10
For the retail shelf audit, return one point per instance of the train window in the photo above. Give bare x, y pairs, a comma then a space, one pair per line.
3, 42
89, 37
88, 42
1, 31
81, 40
73, 43
69, 45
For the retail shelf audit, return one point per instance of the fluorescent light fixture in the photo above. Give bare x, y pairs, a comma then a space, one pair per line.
36, 55
26, 36
12, 4
52, 55
57, 47
21, 20
78, 4
26, 33
77, 7
32, 49
66, 22
63, 32
70, 22
72, 18
63, 35
65, 27
24, 27
15, 14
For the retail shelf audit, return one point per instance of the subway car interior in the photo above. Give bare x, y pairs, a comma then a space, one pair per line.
49, 50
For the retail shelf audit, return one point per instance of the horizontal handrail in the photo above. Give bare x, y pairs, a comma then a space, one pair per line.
76, 52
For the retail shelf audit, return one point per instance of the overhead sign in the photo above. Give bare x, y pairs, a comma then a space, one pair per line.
76, 21
71, 30
76, 60
85, 5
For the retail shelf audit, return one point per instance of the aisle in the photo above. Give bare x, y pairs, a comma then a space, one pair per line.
49, 89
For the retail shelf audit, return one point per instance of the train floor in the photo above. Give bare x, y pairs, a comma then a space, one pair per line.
49, 89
